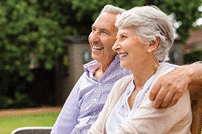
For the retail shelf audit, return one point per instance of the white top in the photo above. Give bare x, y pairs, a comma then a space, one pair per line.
147, 120
121, 112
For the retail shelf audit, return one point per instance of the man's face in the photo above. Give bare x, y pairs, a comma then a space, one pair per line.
103, 37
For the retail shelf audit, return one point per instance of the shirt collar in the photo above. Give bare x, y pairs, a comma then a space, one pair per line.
93, 65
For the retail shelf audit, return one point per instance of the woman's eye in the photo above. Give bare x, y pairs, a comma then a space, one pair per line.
123, 36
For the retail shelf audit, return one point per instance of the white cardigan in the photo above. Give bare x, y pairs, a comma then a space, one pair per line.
147, 120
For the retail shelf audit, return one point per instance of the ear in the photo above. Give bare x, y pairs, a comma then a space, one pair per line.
154, 45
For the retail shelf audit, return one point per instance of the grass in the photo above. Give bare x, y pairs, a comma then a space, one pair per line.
10, 123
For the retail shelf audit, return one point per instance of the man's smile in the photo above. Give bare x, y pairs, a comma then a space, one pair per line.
98, 48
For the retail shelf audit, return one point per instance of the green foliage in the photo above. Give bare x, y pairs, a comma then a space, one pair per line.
186, 11
27, 28
4, 101
193, 56
22, 100
31, 26
40, 26
34, 26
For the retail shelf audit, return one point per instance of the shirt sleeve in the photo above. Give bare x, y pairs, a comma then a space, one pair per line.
68, 116
198, 62
175, 120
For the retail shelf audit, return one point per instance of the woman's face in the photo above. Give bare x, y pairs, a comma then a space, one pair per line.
131, 50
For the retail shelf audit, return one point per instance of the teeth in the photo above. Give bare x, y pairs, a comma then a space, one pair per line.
98, 48
123, 55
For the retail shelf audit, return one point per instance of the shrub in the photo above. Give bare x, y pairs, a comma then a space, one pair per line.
193, 56
4, 101
22, 100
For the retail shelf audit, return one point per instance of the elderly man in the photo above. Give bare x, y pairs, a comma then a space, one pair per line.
88, 96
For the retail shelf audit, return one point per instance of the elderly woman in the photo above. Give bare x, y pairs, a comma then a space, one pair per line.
144, 38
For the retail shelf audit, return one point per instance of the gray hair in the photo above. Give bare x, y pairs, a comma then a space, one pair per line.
112, 9
149, 22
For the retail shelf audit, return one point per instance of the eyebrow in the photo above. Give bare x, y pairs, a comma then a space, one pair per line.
103, 29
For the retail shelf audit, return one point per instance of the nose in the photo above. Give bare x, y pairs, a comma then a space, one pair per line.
93, 37
116, 46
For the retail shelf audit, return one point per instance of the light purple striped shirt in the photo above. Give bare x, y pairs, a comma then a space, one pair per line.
87, 99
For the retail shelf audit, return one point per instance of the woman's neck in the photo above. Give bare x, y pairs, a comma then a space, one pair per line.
143, 72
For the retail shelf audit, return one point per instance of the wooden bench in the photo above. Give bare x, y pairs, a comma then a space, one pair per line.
196, 126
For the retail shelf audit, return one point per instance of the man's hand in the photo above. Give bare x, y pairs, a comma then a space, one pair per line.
168, 89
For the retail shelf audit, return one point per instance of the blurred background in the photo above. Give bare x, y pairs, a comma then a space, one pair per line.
43, 44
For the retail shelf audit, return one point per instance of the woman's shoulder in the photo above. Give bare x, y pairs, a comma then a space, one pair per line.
125, 79
122, 83
168, 65
165, 68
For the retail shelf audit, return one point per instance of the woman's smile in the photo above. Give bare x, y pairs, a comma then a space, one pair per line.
122, 55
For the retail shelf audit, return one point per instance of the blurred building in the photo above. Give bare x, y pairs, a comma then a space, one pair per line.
78, 53
176, 53
194, 42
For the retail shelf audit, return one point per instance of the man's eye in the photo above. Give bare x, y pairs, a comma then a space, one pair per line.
104, 31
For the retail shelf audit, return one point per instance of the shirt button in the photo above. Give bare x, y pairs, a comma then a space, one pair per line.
94, 100
99, 84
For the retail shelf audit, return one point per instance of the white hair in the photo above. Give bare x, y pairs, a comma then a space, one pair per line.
149, 22
112, 9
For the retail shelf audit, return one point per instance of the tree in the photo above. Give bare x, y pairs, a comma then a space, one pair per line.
185, 11
40, 26
32, 26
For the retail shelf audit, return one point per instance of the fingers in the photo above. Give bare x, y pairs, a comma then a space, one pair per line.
174, 100
154, 90
168, 89
170, 98
160, 98
167, 100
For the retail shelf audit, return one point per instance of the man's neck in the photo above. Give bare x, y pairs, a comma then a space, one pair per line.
98, 73
101, 70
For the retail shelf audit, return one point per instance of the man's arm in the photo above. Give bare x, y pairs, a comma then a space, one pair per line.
68, 116
168, 89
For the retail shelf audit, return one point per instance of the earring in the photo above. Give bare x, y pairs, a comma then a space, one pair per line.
149, 51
